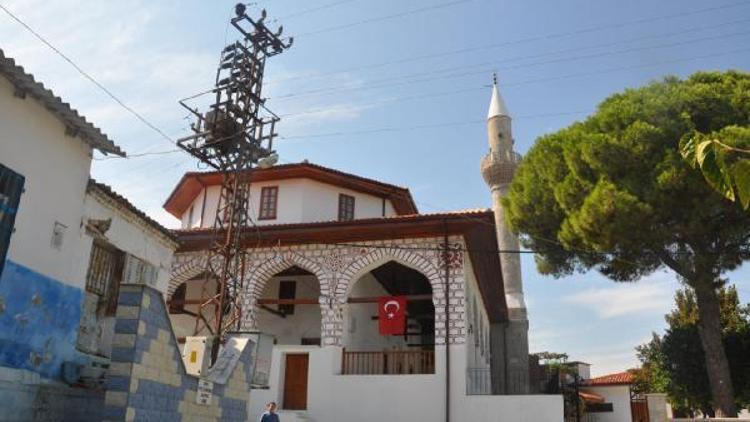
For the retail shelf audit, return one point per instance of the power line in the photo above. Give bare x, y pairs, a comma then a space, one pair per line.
88, 76
383, 18
314, 9
335, 90
461, 91
417, 127
691, 30
520, 41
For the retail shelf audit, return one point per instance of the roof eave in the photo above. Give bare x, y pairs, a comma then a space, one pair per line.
75, 124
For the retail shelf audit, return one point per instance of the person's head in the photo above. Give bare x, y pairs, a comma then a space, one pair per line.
271, 406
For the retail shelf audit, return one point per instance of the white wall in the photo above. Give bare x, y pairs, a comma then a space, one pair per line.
56, 167
304, 323
184, 324
361, 332
128, 235
478, 337
133, 237
397, 398
299, 201
619, 396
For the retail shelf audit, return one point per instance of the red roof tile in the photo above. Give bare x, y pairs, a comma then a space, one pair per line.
620, 378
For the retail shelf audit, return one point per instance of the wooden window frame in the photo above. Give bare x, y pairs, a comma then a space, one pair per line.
347, 204
266, 212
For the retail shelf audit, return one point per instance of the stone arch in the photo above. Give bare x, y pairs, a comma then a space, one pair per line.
261, 274
428, 265
377, 257
184, 268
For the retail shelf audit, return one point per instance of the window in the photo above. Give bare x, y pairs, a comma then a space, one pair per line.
346, 207
287, 290
11, 187
269, 197
190, 217
103, 277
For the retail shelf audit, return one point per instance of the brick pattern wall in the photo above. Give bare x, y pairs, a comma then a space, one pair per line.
147, 379
338, 267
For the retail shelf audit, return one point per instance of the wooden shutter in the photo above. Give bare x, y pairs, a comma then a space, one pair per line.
11, 188
346, 207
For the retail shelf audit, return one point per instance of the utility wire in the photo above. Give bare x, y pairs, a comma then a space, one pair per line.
89, 77
417, 127
335, 90
461, 91
494, 64
550, 36
314, 9
382, 18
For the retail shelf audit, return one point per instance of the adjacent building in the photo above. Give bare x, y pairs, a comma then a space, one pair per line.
66, 245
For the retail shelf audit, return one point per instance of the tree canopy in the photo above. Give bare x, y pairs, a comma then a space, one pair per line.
613, 193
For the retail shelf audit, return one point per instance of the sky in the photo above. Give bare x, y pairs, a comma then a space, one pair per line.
396, 91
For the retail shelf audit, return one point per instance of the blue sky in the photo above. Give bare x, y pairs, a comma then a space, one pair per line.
396, 91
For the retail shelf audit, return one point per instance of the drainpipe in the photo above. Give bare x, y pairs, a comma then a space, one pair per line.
446, 296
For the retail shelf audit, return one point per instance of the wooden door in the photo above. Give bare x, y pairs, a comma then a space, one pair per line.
295, 381
639, 410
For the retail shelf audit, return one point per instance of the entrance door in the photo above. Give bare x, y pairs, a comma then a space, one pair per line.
295, 381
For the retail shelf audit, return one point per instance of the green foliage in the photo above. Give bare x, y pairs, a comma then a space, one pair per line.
675, 363
613, 192
724, 159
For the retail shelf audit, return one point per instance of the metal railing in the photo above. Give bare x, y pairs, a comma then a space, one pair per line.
388, 362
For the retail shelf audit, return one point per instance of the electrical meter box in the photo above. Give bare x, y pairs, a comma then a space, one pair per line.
197, 355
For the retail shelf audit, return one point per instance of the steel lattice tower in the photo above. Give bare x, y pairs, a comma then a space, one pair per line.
233, 136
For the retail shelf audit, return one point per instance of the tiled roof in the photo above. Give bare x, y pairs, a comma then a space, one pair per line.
620, 378
122, 201
469, 214
75, 123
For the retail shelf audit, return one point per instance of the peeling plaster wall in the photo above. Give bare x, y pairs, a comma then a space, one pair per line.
41, 286
38, 321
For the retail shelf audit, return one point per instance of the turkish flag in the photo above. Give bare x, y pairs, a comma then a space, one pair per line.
392, 315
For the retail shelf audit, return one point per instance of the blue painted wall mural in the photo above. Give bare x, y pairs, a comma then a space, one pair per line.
39, 319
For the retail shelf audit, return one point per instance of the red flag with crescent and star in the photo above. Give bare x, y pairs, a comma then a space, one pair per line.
392, 315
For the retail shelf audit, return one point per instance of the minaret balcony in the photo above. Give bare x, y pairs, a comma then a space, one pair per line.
498, 169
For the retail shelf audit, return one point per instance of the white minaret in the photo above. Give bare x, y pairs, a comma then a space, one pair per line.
498, 167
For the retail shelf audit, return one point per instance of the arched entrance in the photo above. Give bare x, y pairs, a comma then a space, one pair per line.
288, 307
183, 305
366, 350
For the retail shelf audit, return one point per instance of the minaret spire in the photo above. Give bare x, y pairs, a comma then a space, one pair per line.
497, 105
498, 168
